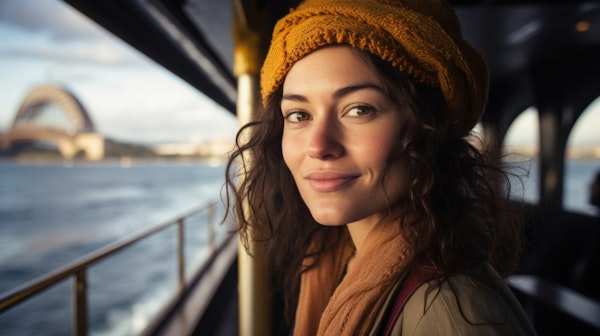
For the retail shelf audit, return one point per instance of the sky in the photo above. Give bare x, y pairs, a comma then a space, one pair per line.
128, 96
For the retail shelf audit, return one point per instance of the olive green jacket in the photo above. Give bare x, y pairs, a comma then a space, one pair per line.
459, 305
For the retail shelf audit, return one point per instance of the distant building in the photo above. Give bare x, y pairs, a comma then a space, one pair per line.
211, 149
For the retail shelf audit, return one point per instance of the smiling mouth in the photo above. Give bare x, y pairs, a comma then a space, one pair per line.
329, 183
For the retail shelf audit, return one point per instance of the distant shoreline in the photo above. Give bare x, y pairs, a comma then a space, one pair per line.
124, 161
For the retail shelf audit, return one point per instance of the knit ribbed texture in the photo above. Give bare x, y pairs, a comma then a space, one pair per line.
418, 37
351, 307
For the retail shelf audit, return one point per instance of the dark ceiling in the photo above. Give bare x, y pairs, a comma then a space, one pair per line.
524, 42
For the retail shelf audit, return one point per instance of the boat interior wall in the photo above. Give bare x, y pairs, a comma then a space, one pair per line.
536, 51
558, 280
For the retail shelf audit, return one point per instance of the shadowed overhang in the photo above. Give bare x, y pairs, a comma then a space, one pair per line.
523, 41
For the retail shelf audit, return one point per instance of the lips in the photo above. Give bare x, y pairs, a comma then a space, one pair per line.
329, 181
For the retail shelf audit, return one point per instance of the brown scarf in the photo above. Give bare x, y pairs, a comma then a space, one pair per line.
352, 307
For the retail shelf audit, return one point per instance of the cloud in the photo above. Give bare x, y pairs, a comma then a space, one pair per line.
64, 37
97, 53
167, 124
152, 107
64, 24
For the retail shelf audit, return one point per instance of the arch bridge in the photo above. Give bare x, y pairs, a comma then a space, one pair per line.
51, 114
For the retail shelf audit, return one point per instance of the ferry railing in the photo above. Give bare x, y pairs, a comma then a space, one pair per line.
78, 268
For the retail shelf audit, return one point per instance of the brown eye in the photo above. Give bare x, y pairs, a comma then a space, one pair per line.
297, 116
360, 110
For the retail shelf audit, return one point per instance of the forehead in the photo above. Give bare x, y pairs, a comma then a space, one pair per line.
328, 67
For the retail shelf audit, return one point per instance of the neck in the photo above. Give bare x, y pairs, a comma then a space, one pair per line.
359, 230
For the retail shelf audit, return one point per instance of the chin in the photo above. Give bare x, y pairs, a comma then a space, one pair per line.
328, 220
333, 218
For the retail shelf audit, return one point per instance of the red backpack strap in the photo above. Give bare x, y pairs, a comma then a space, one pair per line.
414, 279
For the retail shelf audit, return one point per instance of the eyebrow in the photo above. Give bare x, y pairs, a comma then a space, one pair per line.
339, 93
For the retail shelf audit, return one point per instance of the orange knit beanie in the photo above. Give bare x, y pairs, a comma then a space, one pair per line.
419, 37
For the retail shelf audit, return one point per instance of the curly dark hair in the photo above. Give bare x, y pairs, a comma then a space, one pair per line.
458, 205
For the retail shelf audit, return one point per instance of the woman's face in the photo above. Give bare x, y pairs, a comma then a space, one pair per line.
339, 130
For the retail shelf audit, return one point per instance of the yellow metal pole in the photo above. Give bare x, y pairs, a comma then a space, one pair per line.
253, 284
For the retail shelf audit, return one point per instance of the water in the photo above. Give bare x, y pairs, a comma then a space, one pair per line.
579, 175
51, 215
576, 194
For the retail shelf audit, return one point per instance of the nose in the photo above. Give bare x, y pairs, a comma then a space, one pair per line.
326, 140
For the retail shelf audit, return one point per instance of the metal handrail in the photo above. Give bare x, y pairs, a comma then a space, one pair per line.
78, 268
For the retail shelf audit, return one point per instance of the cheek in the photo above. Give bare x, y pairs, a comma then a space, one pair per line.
379, 147
397, 180
289, 152
394, 174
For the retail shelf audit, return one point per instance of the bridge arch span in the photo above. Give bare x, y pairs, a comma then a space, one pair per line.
47, 94
29, 126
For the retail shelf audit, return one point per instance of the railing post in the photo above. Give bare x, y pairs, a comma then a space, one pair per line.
80, 327
181, 252
212, 241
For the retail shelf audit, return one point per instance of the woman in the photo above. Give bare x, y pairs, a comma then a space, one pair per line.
376, 212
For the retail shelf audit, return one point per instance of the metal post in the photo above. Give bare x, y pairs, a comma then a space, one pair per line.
553, 128
255, 310
250, 45
212, 240
80, 327
181, 252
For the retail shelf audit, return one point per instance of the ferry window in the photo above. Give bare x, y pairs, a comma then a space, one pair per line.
582, 161
521, 146
477, 135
